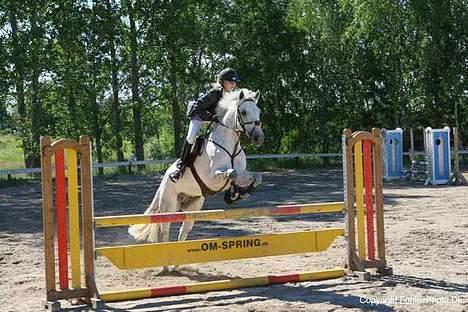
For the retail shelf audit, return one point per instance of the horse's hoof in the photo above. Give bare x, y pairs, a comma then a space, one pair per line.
257, 180
227, 198
244, 195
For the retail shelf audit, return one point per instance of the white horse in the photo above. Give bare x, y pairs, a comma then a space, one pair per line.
221, 162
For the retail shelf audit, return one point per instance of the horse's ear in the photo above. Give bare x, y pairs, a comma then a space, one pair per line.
257, 95
241, 95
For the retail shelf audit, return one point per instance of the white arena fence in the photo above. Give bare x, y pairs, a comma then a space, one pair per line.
9, 173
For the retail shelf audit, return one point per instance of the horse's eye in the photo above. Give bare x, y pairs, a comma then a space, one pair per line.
244, 113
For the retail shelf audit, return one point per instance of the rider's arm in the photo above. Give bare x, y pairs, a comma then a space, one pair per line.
204, 107
210, 99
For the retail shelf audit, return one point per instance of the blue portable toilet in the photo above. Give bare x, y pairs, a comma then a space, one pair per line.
437, 145
392, 153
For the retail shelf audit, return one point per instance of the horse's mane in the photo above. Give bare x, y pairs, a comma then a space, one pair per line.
229, 100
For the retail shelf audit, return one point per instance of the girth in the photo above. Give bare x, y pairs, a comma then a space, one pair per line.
206, 191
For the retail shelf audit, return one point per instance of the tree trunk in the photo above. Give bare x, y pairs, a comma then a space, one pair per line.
17, 55
71, 85
93, 104
116, 122
36, 112
97, 129
135, 76
177, 123
72, 111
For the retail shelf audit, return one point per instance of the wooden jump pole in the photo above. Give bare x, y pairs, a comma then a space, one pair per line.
411, 151
220, 214
457, 177
142, 293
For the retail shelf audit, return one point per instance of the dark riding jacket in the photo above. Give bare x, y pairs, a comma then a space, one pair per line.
205, 106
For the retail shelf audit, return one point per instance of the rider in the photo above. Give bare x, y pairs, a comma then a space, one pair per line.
204, 110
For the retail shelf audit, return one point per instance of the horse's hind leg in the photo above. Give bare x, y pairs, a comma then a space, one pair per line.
164, 234
194, 204
185, 230
168, 203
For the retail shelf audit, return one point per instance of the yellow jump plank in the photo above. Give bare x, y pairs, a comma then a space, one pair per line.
218, 249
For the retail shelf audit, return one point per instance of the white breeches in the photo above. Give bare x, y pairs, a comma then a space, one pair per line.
194, 127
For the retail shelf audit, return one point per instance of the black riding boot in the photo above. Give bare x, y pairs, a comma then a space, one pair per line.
182, 163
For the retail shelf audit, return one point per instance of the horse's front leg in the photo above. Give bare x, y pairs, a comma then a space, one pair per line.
244, 184
248, 179
248, 183
230, 174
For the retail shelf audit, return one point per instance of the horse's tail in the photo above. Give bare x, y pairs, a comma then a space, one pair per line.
147, 232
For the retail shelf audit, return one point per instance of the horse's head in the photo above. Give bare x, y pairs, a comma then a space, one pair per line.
248, 116
240, 112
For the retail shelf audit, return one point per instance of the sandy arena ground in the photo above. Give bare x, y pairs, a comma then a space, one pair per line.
426, 234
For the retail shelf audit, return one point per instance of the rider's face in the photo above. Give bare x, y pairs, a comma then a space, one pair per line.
229, 85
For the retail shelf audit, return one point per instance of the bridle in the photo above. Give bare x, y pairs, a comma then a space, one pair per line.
238, 130
240, 121
257, 123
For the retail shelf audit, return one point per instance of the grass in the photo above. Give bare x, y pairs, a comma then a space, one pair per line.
11, 154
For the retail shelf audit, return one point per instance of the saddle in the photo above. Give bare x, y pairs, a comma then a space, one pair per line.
197, 149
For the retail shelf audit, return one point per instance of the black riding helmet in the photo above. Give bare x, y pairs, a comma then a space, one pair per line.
228, 74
